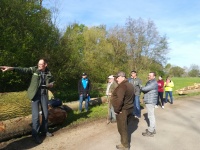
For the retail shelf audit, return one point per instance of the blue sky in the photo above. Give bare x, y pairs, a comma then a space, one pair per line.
179, 20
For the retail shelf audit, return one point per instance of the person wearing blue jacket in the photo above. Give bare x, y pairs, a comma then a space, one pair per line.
84, 87
150, 91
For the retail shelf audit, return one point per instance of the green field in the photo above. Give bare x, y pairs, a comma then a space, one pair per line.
184, 82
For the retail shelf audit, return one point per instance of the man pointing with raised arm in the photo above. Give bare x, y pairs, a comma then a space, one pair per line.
37, 92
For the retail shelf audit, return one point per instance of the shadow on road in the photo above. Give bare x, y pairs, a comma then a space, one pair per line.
132, 125
146, 119
24, 143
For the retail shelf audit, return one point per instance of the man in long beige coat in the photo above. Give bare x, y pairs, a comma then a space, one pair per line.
111, 86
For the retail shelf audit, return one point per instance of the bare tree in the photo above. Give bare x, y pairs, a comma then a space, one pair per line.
54, 6
144, 44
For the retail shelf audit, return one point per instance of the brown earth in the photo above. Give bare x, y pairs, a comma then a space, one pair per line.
178, 127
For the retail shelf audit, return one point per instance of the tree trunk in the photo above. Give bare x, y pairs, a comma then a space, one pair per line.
22, 125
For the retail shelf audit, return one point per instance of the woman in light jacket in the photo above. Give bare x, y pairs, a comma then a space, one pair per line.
168, 89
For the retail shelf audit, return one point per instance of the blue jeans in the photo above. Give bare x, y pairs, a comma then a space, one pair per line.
137, 110
81, 99
170, 95
43, 101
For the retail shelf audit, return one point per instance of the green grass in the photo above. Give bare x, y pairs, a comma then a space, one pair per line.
180, 83
19, 99
184, 82
75, 118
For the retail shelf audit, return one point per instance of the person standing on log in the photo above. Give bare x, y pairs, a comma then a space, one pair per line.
122, 101
84, 88
41, 81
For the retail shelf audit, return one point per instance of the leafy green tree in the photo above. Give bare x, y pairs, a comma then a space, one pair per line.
96, 54
176, 71
70, 54
119, 56
194, 71
26, 34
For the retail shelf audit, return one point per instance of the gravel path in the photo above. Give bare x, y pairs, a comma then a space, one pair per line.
178, 127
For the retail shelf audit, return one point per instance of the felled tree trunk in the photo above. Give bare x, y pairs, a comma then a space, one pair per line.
22, 125
75, 104
15, 127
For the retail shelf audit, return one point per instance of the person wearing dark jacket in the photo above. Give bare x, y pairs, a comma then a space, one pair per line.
84, 87
137, 83
122, 101
150, 91
42, 79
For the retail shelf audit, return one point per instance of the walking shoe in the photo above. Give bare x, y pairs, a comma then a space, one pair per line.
120, 146
147, 133
137, 117
37, 139
156, 106
48, 134
163, 107
154, 131
113, 121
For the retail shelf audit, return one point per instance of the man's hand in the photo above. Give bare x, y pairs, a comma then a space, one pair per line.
6, 68
50, 85
118, 113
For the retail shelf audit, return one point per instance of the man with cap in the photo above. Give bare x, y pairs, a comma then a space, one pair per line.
122, 101
84, 87
110, 88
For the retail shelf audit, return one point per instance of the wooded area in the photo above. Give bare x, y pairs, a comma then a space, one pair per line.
28, 34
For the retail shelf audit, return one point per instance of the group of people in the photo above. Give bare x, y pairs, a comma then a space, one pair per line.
123, 96
166, 87
124, 101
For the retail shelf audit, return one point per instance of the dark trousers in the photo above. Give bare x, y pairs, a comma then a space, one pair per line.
122, 125
39, 100
160, 96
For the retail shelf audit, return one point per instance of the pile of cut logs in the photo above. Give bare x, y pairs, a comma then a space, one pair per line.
189, 89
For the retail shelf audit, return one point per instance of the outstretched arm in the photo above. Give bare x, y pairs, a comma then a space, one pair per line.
6, 68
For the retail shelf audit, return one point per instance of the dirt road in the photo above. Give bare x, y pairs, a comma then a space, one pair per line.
178, 128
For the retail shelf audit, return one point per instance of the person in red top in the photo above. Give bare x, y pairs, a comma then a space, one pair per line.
160, 92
